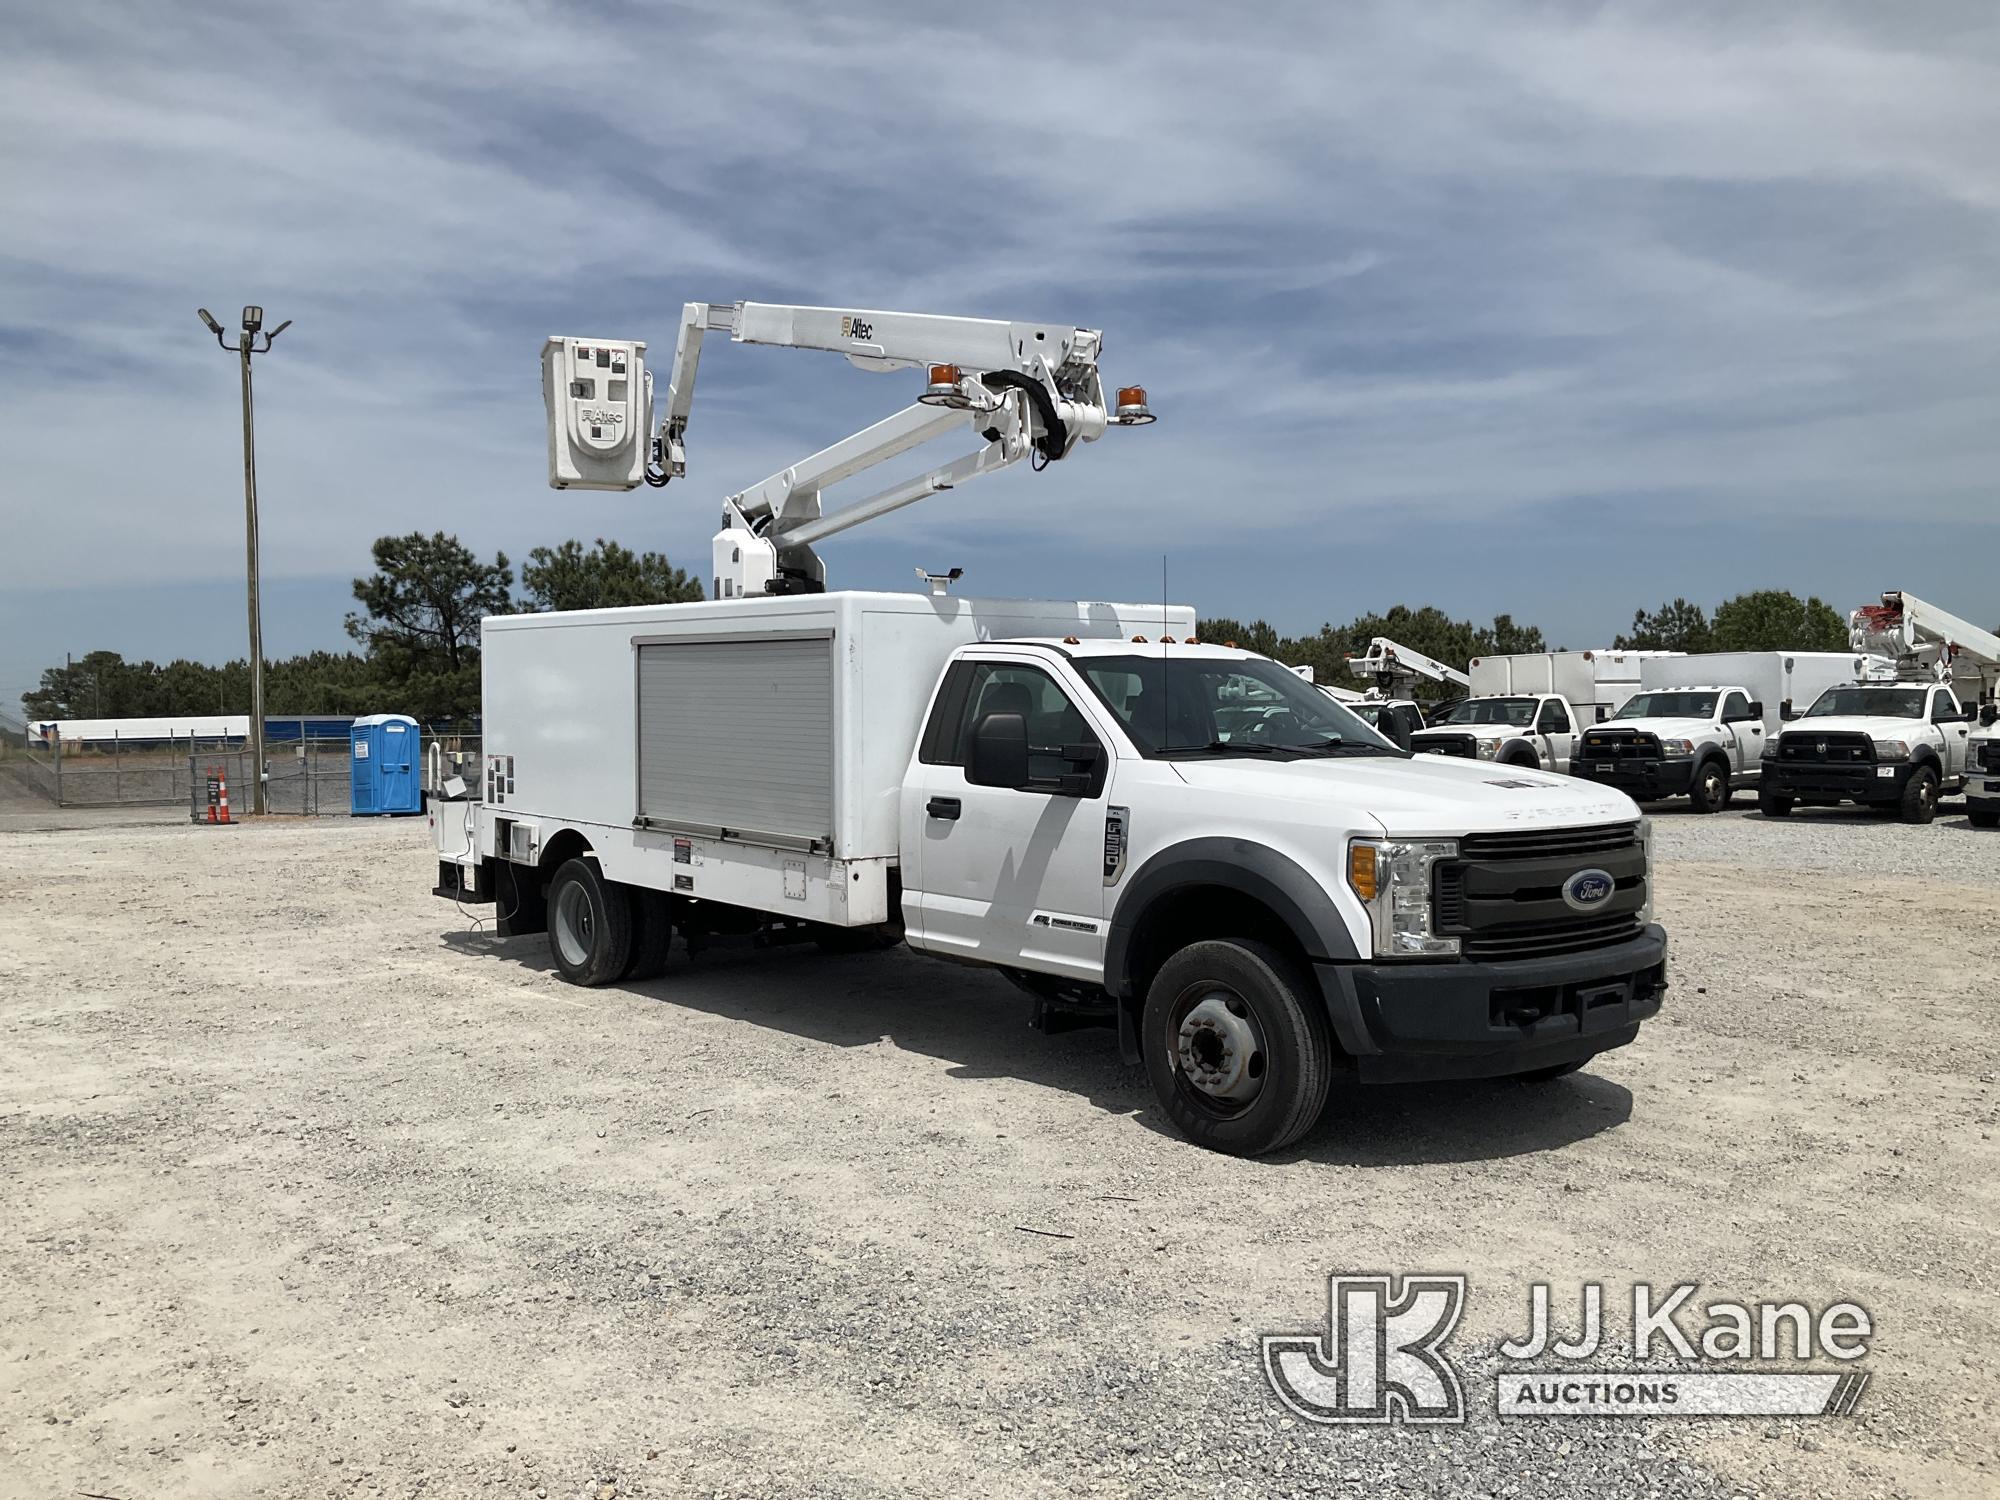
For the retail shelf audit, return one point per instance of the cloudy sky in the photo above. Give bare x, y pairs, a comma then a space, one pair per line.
1551, 309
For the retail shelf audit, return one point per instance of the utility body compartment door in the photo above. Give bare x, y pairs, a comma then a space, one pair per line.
1005, 875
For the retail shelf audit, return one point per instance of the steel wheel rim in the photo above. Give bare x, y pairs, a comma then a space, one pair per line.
1217, 1051
576, 924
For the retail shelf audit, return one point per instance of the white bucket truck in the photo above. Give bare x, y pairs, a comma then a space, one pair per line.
1697, 726
1916, 727
1528, 710
1185, 841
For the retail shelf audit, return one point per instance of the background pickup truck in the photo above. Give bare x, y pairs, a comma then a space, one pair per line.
1896, 745
1523, 729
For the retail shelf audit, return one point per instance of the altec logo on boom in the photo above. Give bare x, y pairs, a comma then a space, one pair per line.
1382, 1359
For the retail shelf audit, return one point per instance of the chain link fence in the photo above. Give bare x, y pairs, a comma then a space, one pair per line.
307, 772
27, 765
303, 779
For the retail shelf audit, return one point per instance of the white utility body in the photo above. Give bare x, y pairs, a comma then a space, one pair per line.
1698, 724
1188, 842
1915, 725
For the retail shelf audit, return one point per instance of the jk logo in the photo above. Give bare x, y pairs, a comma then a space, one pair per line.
1380, 1358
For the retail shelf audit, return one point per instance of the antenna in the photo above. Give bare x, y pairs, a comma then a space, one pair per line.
1163, 650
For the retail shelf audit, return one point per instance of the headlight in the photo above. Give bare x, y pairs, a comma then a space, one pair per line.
1393, 880
1486, 749
1770, 749
1676, 749
1892, 750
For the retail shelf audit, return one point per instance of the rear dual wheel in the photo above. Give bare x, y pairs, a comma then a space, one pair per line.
601, 932
1237, 1047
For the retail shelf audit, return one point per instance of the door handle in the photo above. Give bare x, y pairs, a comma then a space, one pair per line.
943, 807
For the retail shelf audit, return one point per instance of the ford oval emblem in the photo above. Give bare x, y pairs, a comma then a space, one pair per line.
1587, 890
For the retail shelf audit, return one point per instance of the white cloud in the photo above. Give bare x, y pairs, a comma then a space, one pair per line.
1449, 258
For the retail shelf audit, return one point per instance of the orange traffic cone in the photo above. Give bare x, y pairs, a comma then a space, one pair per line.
225, 799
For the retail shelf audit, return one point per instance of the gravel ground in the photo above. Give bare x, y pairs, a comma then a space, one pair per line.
314, 1188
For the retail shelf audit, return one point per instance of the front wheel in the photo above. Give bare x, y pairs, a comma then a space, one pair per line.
1237, 1047
1710, 792
1772, 805
590, 924
1919, 803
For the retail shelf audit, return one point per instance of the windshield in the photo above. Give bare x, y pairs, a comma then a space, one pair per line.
1870, 703
1668, 706
1515, 711
1185, 704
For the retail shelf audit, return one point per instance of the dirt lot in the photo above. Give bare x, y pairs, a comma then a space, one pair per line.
313, 1188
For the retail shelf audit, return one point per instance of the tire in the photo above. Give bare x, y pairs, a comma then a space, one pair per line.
1773, 805
590, 925
1920, 796
1550, 1074
1709, 792
1246, 1010
1521, 762
1983, 817
652, 932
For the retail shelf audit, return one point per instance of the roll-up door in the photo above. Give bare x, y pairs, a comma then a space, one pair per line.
737, 736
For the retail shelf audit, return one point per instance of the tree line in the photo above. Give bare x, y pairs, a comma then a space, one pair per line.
416, 627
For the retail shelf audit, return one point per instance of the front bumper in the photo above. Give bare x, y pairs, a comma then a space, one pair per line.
1645, 780
1405, 1022
1869, 781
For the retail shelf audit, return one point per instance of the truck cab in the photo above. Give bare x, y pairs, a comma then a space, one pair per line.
1897, 746
1537, 730
1262, 897
1702, 743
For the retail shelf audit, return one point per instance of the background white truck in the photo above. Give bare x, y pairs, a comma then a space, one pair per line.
1528, 710
1186, 841
1921, 642
1894, 745
1698, 724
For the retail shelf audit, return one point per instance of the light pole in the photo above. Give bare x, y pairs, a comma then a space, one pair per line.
245, 346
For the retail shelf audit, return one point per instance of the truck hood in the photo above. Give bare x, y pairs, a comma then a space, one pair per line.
1477, 731
1418, 797
1881, 729
1666, 729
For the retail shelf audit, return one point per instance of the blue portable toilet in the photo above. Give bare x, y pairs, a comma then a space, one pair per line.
383, 766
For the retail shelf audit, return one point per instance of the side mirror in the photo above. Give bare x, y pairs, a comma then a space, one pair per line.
1788, 713
999, 751
1756, 711
1989, 716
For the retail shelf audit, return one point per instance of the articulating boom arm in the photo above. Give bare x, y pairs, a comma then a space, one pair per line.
1917, 639
1396, 668
1028, 390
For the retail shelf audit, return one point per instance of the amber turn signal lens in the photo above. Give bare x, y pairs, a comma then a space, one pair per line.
1361, 872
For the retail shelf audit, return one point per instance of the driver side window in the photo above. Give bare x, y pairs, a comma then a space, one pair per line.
1735, 708
1007, 688
1942, 708
1553, 720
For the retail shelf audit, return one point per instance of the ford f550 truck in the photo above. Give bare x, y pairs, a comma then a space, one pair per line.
1187, 842
1183, 841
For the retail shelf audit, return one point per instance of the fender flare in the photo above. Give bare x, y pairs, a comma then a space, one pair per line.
1257, 870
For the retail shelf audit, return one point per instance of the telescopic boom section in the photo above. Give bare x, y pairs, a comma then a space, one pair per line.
1028, 390
1396, 668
